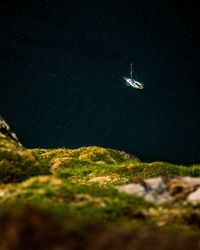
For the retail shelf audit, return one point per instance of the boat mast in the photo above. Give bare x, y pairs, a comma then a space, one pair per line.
131, 73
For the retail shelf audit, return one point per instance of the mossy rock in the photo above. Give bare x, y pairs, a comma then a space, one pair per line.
67, 200
88, 203
18, 163
102, 166
86, 163
91, 154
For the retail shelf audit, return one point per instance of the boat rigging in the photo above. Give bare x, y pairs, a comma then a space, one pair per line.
131, 82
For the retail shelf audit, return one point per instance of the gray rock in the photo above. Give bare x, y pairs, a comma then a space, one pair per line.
172, 190
156, 184
164, 198
5, 130
194, 197
151, 197
192, 180
135, 189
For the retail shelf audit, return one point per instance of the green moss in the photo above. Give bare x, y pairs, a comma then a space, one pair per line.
88, 204
18, 163
90, 154
100, 166
86, 165
148, 170
124, 172
80, 184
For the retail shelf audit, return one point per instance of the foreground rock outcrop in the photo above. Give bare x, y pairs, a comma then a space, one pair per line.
31, 228
94, 198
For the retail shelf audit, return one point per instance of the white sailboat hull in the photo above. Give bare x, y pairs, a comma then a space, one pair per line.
133, 83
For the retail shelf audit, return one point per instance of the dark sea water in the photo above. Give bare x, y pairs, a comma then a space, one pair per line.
62, 67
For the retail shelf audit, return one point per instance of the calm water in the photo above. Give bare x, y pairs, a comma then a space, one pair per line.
62, 68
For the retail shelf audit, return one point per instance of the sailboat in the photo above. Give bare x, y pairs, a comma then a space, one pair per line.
131, 82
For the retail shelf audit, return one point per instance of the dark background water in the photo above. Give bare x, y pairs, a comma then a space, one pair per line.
61, 75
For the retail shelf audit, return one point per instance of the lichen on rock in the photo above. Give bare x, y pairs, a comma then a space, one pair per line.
162, 190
